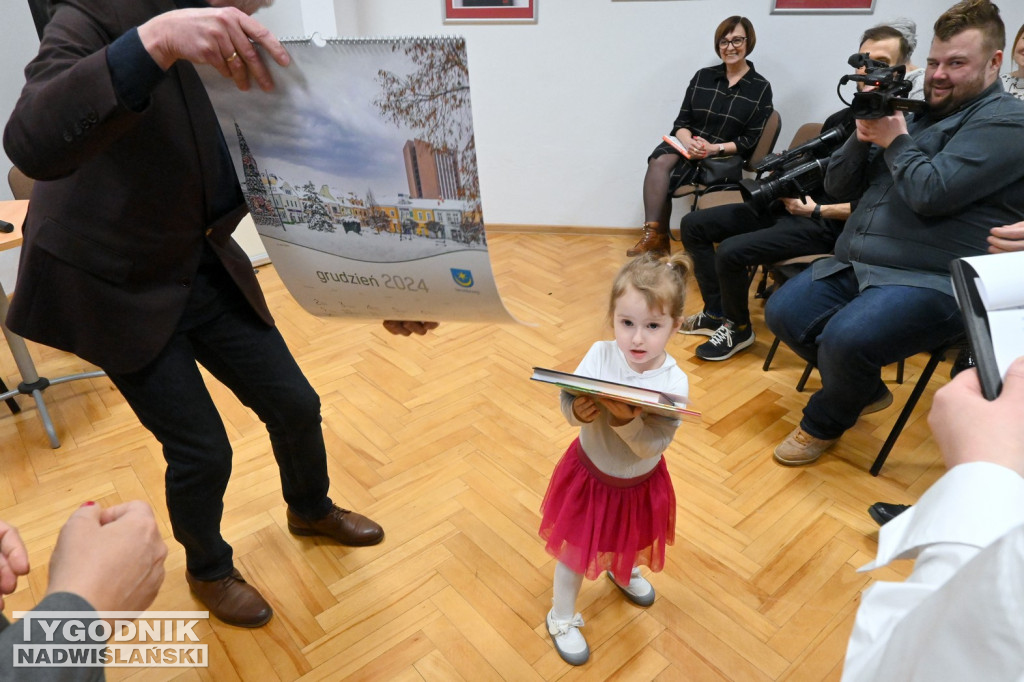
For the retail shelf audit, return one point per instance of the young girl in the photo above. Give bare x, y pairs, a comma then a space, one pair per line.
610, 504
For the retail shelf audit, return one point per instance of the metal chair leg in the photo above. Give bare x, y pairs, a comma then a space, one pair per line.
11, 402
771, 355
901, 421
804, 377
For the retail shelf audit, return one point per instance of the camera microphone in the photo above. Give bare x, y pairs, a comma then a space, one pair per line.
824, 143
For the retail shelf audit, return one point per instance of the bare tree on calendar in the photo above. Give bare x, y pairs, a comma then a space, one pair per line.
434, 100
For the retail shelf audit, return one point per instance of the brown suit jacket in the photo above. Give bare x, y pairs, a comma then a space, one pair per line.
123, 200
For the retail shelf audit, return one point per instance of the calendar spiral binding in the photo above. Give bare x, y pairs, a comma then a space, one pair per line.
321, 41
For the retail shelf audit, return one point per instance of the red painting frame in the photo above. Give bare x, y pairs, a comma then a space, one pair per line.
456, 14
823, 6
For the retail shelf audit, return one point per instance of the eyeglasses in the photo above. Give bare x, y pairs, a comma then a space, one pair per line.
735, 42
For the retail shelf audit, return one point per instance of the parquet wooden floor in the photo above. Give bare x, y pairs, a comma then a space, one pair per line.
445, 441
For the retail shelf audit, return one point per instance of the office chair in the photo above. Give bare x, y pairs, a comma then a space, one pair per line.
21, 187
20, 184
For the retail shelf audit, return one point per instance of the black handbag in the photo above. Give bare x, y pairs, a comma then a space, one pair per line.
720, 171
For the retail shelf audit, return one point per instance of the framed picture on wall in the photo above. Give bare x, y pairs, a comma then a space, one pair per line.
822, 6
507, 11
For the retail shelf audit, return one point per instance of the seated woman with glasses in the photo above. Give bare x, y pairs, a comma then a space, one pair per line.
1014, 81
723, 112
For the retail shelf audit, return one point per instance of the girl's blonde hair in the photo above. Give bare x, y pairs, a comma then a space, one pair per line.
660, 280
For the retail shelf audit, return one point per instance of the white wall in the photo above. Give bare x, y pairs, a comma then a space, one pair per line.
18, 44
567, 109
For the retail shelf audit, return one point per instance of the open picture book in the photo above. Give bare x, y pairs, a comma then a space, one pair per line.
655, 402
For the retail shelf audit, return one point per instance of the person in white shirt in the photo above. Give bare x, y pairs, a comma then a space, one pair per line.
960, 614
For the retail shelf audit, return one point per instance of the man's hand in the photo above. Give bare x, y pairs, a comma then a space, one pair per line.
13, 560
969, 428
113, 558
408, 327
799, 207
620, 414
882, 131
223, 37
1006, 238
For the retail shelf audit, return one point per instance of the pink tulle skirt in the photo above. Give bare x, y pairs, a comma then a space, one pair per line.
594, 522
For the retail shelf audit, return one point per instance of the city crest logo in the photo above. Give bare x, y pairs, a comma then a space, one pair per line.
464, 278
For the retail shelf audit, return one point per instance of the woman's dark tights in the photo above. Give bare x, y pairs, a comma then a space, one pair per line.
657, 203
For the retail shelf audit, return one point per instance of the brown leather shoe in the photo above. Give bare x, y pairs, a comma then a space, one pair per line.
652, 239
347, 527
232, 600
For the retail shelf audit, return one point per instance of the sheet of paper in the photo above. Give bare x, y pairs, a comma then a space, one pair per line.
360, 173
1007, 327
1000, 279
1000, 284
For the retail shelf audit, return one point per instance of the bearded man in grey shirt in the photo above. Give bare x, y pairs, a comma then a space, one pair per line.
932, 190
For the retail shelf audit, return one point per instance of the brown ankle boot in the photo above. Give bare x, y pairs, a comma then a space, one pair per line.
653, 239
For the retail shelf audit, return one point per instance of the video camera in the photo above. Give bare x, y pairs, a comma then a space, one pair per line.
889, 93
795, 172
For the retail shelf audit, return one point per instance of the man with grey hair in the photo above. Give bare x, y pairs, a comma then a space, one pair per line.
915, 74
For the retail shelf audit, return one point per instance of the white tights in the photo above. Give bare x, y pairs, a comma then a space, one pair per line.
566, 589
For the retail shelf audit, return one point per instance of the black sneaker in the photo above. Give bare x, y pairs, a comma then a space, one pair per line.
701, 323
726, 342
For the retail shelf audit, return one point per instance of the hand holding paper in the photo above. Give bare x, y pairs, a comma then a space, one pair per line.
223, 37
959, 409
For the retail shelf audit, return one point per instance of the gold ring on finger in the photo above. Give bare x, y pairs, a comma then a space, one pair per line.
233, 57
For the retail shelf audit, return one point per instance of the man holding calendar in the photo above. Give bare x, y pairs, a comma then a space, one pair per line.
128, 260
932, 189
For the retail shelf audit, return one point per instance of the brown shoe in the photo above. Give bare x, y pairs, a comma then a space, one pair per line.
652, 239
801, 448
347, 527
232, 600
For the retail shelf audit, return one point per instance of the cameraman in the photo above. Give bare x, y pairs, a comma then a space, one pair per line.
800, 227
929, 192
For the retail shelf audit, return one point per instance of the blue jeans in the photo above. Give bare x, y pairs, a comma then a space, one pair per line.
221, 332
850, 335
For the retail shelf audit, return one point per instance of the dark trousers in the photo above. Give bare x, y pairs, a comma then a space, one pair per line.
745, 238
219, 331
851, 334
